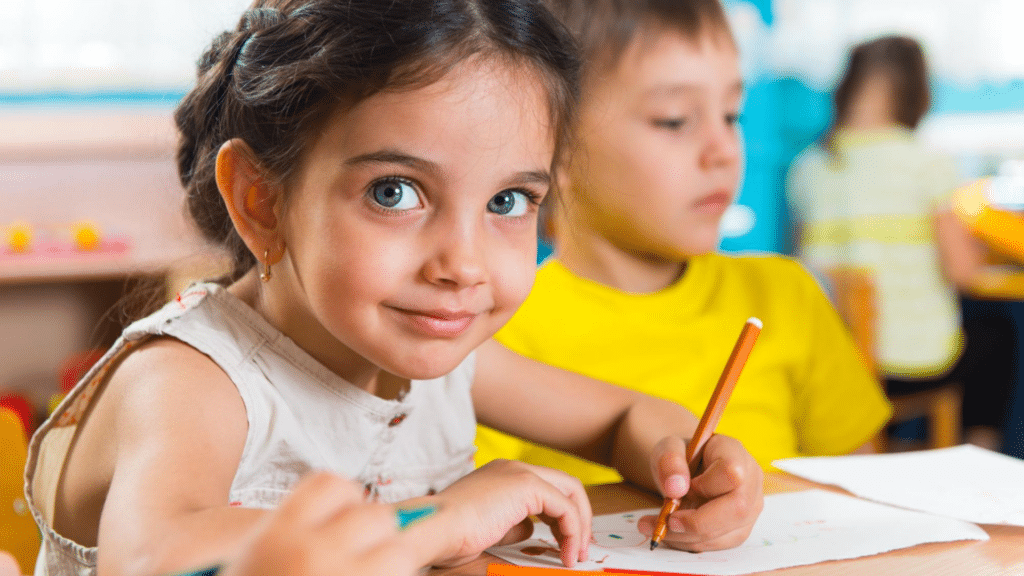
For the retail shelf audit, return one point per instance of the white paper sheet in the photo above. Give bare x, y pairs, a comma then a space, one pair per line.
795, 529
963, 482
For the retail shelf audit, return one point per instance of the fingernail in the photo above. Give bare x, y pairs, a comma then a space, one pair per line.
675, 525
407, 517
675, 484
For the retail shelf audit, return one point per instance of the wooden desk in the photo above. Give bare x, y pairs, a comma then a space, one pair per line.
1002, 554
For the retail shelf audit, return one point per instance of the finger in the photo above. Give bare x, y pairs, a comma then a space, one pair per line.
726, 541
669, 468
730, 467
571, 487
319, 497
558, 506
718, 479
694, 541
713, 519
517, 533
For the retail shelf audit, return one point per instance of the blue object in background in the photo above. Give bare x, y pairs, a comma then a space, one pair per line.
100, 98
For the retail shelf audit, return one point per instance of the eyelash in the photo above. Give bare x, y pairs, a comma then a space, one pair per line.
670, 124
678, 123
534, 198
393, 178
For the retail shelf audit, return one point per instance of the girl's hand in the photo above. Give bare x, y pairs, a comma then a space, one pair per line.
325, 528
489, 506
719, 506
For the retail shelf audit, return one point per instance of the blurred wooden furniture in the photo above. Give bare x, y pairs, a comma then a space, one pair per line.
853, 293
1002, 554
109, 167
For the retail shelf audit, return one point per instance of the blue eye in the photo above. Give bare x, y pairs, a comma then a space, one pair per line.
509, 203
395, 194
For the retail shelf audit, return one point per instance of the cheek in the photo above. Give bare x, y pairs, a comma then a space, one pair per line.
361, 267
647, 172
513, 271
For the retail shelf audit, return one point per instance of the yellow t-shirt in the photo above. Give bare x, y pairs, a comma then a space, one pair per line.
804, 390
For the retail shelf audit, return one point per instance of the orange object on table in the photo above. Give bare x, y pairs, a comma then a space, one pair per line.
1001, 229
513, 570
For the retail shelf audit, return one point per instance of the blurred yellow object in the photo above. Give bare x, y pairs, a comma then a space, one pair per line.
87, 236
19, 236
1002, 230
18, 532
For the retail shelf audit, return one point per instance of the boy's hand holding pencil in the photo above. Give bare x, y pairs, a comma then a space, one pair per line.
711, 479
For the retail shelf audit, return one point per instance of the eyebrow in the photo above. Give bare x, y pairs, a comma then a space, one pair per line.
673, 89
394, 157
542, 177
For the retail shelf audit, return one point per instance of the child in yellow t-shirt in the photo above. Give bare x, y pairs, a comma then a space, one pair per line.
635, 294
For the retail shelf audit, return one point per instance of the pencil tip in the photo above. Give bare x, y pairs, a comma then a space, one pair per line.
653, 544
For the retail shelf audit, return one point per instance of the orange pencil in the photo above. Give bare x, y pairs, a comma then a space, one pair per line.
712, 413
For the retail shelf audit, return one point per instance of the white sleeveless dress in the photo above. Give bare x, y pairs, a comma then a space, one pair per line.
301, 417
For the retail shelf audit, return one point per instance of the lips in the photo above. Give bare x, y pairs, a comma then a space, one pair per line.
716, 201
437, 323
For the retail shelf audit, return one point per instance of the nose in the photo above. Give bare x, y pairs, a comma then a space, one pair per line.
458, 260
722, 148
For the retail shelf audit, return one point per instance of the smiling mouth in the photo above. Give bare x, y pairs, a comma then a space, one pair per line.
437, 323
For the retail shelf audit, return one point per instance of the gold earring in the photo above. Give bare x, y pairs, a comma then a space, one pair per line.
266, 275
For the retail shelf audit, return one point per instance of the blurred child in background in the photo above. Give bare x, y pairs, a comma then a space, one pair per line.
874, 197
636, 294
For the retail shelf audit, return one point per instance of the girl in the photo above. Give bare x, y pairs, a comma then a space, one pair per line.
375, 171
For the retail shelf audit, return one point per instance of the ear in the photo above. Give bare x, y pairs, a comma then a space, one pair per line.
253, 203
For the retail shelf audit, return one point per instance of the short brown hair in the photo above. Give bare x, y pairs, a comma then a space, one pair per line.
605, 28
902, 62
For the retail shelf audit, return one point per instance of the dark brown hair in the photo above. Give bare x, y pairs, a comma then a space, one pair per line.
901, 61
606, 28
292, 63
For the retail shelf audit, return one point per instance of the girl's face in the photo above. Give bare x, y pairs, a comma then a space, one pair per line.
410, 230
659, 158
